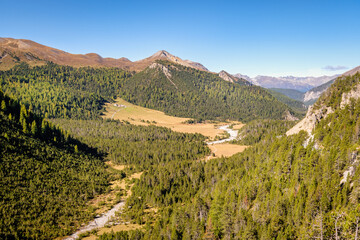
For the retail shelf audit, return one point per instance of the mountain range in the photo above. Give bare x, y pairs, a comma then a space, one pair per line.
284, 89
293, 181
301, 84
13, 51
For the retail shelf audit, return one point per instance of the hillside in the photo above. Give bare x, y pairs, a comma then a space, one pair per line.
55, 91
46, 177
296, 105
291, 93
283, 187
80, 93
313, 94
230, 78
14, 51
187, 92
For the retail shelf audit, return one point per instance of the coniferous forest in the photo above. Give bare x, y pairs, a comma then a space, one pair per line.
54, 143
55, 91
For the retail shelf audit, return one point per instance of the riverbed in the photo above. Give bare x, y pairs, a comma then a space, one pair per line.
98, 222
233, 134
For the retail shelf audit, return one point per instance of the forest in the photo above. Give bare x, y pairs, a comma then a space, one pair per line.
277, 189
200, 95
55, 91
46, 177
138, 146
54, 143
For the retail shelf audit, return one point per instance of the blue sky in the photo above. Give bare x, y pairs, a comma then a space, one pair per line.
273, 37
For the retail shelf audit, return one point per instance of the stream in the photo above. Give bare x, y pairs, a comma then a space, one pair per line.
233, 134
103, 219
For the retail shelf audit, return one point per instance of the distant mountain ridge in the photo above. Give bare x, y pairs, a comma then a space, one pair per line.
302, 84
13, 51
231, 78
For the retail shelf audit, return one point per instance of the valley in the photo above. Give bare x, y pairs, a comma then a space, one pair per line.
125, 111
162, 148
144, 116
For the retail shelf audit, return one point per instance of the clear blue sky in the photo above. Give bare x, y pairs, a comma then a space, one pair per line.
253, 37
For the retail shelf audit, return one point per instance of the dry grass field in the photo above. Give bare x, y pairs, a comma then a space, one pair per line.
225, 150
144, 116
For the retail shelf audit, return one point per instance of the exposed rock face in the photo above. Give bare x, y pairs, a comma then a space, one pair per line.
314, 116
231, 78
353, 94
351, 170
227, 77
310, 95
311, 119
290, 117
164, 55
165, 70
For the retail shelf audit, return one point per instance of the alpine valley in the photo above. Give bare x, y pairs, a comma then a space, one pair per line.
163, 148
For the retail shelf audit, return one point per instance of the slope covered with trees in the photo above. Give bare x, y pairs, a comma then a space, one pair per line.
58, 91
186, 92
138, 146
297, 106
46, 177
291, 93
280, 188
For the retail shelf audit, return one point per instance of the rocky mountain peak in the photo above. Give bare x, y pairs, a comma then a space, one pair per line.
226, 76
162, 54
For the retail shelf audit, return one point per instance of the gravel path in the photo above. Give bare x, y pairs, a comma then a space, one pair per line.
97, 222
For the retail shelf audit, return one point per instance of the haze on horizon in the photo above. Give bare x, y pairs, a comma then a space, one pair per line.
276, 38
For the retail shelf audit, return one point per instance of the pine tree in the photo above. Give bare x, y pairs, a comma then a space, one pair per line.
25, 126
76, 149
34, 128
3, 105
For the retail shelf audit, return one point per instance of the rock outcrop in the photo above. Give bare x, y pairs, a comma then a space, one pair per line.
165, 70
311, 119
313, 116
346, 97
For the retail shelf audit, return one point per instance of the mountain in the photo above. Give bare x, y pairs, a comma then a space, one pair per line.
14, 51
230, 78
238, 75
313, 94
343, 91
300, 185
186, 92
352, 71
296, 105
301, 84
164, 55
291, 93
